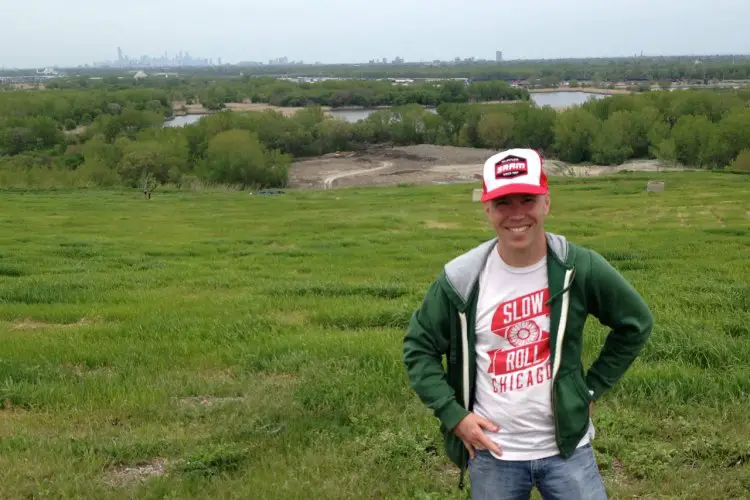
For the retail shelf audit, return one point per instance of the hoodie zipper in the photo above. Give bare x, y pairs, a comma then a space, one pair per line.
569, 274
465, 357
464, 379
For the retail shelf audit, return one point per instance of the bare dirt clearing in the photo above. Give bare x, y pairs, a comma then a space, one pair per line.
181, 108
423, 164
126, 475
32, 324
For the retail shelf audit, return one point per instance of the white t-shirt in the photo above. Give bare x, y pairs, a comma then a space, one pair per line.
514, 373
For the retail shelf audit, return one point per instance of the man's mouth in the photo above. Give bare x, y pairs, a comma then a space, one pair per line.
519, 229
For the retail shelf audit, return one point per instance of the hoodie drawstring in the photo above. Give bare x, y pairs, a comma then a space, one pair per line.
561, 292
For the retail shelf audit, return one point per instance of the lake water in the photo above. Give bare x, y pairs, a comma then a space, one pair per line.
181, 121
554, 99
562, 99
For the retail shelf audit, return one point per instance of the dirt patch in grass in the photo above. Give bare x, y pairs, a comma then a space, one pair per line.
618, 470
291, 318
279, 246
448, 470
11, 421
682, 217
7, 408
433, 224
128, 475
85, 371
276, 380
263, 384
32, 324
217, 374
618, 476
208, 401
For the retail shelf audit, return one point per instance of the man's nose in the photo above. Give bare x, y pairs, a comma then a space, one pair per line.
517, 210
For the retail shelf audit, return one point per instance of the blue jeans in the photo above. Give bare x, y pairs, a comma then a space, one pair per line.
576, 478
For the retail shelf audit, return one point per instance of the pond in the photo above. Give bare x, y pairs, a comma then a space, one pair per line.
556, 100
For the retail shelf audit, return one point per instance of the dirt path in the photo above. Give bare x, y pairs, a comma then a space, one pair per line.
328, 181
425, 164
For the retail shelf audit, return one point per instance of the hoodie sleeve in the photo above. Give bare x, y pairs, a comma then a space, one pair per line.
427, 340
618, 306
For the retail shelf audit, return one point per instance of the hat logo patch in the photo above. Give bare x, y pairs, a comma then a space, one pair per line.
511, 166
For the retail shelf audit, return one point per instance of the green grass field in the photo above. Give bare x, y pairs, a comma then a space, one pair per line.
219, 345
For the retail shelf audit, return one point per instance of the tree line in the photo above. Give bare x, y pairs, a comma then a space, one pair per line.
38, 121
214, 94
699, 128
599, 71
603, 70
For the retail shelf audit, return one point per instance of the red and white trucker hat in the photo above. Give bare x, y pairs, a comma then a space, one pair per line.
513, 171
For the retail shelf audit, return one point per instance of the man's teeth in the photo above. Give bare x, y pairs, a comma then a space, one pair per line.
518, 229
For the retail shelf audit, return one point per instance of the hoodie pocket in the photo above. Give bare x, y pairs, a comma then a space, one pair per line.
454, 447
572, 404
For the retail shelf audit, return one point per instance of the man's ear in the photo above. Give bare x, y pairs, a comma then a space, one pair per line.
547, 202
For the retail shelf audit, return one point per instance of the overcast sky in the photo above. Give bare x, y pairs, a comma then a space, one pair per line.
36, 33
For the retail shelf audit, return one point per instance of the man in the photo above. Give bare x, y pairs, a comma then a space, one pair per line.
514, 403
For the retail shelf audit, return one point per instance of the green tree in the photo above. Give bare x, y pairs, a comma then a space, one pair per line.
334, 135
735, 130
97, 150
409, 125
453, 118
238, 157
613, 144
741, 163
469, 133
533, 127
691, 135
495, 129
127, 123
151, 158
649, 130
575, 130
453, 91
665, 150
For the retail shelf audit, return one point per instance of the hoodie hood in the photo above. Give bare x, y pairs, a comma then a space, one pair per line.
462, 272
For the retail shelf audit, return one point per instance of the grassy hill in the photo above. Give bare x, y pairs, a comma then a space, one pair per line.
220, 345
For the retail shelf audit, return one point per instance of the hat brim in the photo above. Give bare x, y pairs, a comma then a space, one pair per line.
514, 189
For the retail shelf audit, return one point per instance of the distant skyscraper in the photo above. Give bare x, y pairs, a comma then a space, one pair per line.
498, 55
119, 54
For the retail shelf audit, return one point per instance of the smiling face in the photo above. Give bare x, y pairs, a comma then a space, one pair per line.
518, 220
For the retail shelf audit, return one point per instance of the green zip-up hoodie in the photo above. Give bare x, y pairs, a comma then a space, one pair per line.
581, 282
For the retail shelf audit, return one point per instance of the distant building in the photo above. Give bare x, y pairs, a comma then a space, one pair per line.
498, 55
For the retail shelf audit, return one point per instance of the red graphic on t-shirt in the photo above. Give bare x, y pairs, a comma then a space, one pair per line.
529, 344
520, 309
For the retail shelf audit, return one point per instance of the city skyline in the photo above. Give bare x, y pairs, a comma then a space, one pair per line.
179, 59
338, 31
183, 59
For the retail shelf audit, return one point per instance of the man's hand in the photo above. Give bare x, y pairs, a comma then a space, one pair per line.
471, 431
